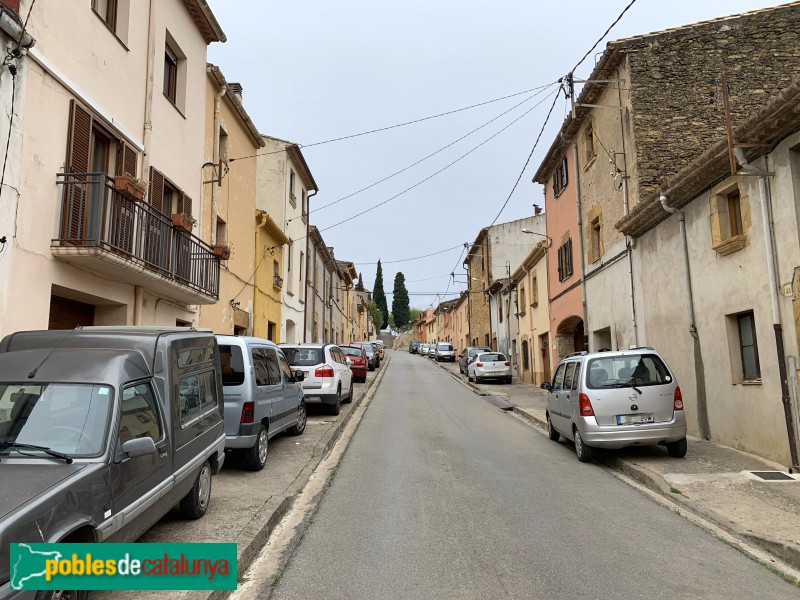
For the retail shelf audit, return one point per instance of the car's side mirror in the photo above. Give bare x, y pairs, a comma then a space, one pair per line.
546, 385
139, 447
299, 376
349, 361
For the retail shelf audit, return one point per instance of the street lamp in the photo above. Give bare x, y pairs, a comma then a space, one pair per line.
528, 231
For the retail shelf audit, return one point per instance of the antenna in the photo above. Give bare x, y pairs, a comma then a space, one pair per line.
32, 374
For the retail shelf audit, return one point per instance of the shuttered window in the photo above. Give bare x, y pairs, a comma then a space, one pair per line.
170, 74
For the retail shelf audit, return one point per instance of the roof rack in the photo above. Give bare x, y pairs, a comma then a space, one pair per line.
641, 348
581, 353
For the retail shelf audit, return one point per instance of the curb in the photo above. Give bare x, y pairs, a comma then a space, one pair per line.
276, 507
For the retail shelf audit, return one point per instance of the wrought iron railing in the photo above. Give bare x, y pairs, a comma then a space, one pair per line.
94, 214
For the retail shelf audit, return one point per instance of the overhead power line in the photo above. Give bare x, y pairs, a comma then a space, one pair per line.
392, 262
602, 37
378, 130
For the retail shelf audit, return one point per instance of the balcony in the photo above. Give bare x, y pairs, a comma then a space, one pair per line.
109, 233
277, 281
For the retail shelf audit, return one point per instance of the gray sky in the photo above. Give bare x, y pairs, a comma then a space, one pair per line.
316, 70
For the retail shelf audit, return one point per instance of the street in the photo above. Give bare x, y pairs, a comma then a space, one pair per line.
441, 495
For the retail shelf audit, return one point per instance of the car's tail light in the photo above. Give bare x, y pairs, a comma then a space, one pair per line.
248, 412
508, 364
585, 406
324, 371
478, 364
677, 402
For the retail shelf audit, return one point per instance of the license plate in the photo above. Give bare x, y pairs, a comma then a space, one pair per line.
634, 419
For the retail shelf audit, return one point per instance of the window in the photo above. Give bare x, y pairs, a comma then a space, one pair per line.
106, 10
565, 260
305, 207
198, 395
221, 234
595, 251
568, 376
730, 219
627, 371
302, 268
284, 365
588, 144
748, 346
558, 380
273, 368
170, 74
140, 416
232, 365
560, 178
576, 377
522, 300
292, 197
735, 213
222, 149
260, 369
271, 331
500, 310
534, 291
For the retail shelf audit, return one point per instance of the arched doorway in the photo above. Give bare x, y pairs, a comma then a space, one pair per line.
290, 332
569, 337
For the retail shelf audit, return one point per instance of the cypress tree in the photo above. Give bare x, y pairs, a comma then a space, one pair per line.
379, 295
400, 306
360, 284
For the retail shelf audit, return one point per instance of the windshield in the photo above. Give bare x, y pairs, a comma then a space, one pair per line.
627, 371
351, 351
494, 357
68, 418
303, 357
446, 347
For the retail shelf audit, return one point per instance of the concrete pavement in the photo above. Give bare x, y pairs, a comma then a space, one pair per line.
713, 481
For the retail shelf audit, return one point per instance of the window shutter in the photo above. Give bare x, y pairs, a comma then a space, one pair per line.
80, 139
156, 196
184, 204
127, 160
555, 183
79, 143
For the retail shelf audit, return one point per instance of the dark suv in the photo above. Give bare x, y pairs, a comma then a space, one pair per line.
413, 347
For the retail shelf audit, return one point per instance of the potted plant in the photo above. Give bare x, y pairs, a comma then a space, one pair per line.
130, 187
222, 249
183, 222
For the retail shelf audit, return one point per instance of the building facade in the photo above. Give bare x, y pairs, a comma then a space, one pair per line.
530, 312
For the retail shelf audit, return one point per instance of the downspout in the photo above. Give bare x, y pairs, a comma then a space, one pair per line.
305, 299
699, 365
137, 305
216, 157
149, 85
580, 243
777, 322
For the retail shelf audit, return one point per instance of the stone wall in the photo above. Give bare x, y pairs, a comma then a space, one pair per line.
676, 88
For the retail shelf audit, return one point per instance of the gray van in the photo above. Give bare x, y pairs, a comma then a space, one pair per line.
262, 396
103, 431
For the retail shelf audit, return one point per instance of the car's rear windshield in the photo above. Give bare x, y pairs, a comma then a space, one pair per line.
303, 357
445, 347
475, 351
347, 351
627, 371
492, 357
368, 347
232, 365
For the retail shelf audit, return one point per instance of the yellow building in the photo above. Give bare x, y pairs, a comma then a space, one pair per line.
228, 217
269, 242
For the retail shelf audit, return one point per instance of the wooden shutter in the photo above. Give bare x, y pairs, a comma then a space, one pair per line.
127, 159
184, 204
124, 209
183, 245
79, 143
156, 195
157, 230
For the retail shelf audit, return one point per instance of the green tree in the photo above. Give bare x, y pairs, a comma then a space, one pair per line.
380, 296
400, 308
360, 284
377, 315
413, 314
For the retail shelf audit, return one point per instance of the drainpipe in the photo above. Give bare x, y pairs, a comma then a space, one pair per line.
216, 157
305, 299
580, 242
777, 323
699, 365
137, 305
148, 99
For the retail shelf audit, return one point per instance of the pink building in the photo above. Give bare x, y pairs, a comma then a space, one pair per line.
565, 284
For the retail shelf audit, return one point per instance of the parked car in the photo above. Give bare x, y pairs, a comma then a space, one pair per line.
328, 379
616, 399
262, 396
489, 365
381, 348
103, 431
467, 355
424, 349
357, 355
378, 353
413, 347
372, 356
445, 351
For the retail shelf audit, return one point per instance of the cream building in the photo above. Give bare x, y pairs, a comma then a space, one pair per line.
285, 185
529, 315
106, 235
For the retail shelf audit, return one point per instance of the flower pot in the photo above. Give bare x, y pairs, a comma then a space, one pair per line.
223, 252
182, 222
129, 187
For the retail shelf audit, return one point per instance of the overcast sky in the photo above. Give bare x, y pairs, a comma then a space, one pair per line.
316, 70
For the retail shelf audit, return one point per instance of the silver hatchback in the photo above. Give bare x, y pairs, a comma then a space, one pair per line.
616, 399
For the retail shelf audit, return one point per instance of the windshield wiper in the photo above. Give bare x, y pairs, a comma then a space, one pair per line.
53, 453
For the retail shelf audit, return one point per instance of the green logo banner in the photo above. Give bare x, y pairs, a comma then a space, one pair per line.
123, 567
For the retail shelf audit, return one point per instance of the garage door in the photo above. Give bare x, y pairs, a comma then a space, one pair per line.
69, 314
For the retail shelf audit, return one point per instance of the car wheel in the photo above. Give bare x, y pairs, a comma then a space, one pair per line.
551, 431
336, 408
195, 504
349, 394
469, 377
477, 379
256, 457
302, 418
678, 449
583, 451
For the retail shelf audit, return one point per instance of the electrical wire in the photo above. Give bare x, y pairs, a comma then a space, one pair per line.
525, 166
391, 262
443, 148
602, 37
419, 183
436, 116
25, 24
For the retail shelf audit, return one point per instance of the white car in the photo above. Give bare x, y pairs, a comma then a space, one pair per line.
328, 378
489, 365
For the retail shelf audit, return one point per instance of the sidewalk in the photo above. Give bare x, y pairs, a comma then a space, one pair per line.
713, 481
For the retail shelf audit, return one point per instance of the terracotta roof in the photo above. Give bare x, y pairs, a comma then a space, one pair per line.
205, 20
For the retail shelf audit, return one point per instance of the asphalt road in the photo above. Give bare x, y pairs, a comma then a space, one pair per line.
441, 495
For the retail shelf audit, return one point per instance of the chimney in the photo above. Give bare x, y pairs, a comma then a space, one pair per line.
235, 88
537, 210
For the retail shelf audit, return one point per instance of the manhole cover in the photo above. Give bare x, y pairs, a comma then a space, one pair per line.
773, 476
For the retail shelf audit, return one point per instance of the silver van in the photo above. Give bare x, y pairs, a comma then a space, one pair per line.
445, 351
616, 399
263, 397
